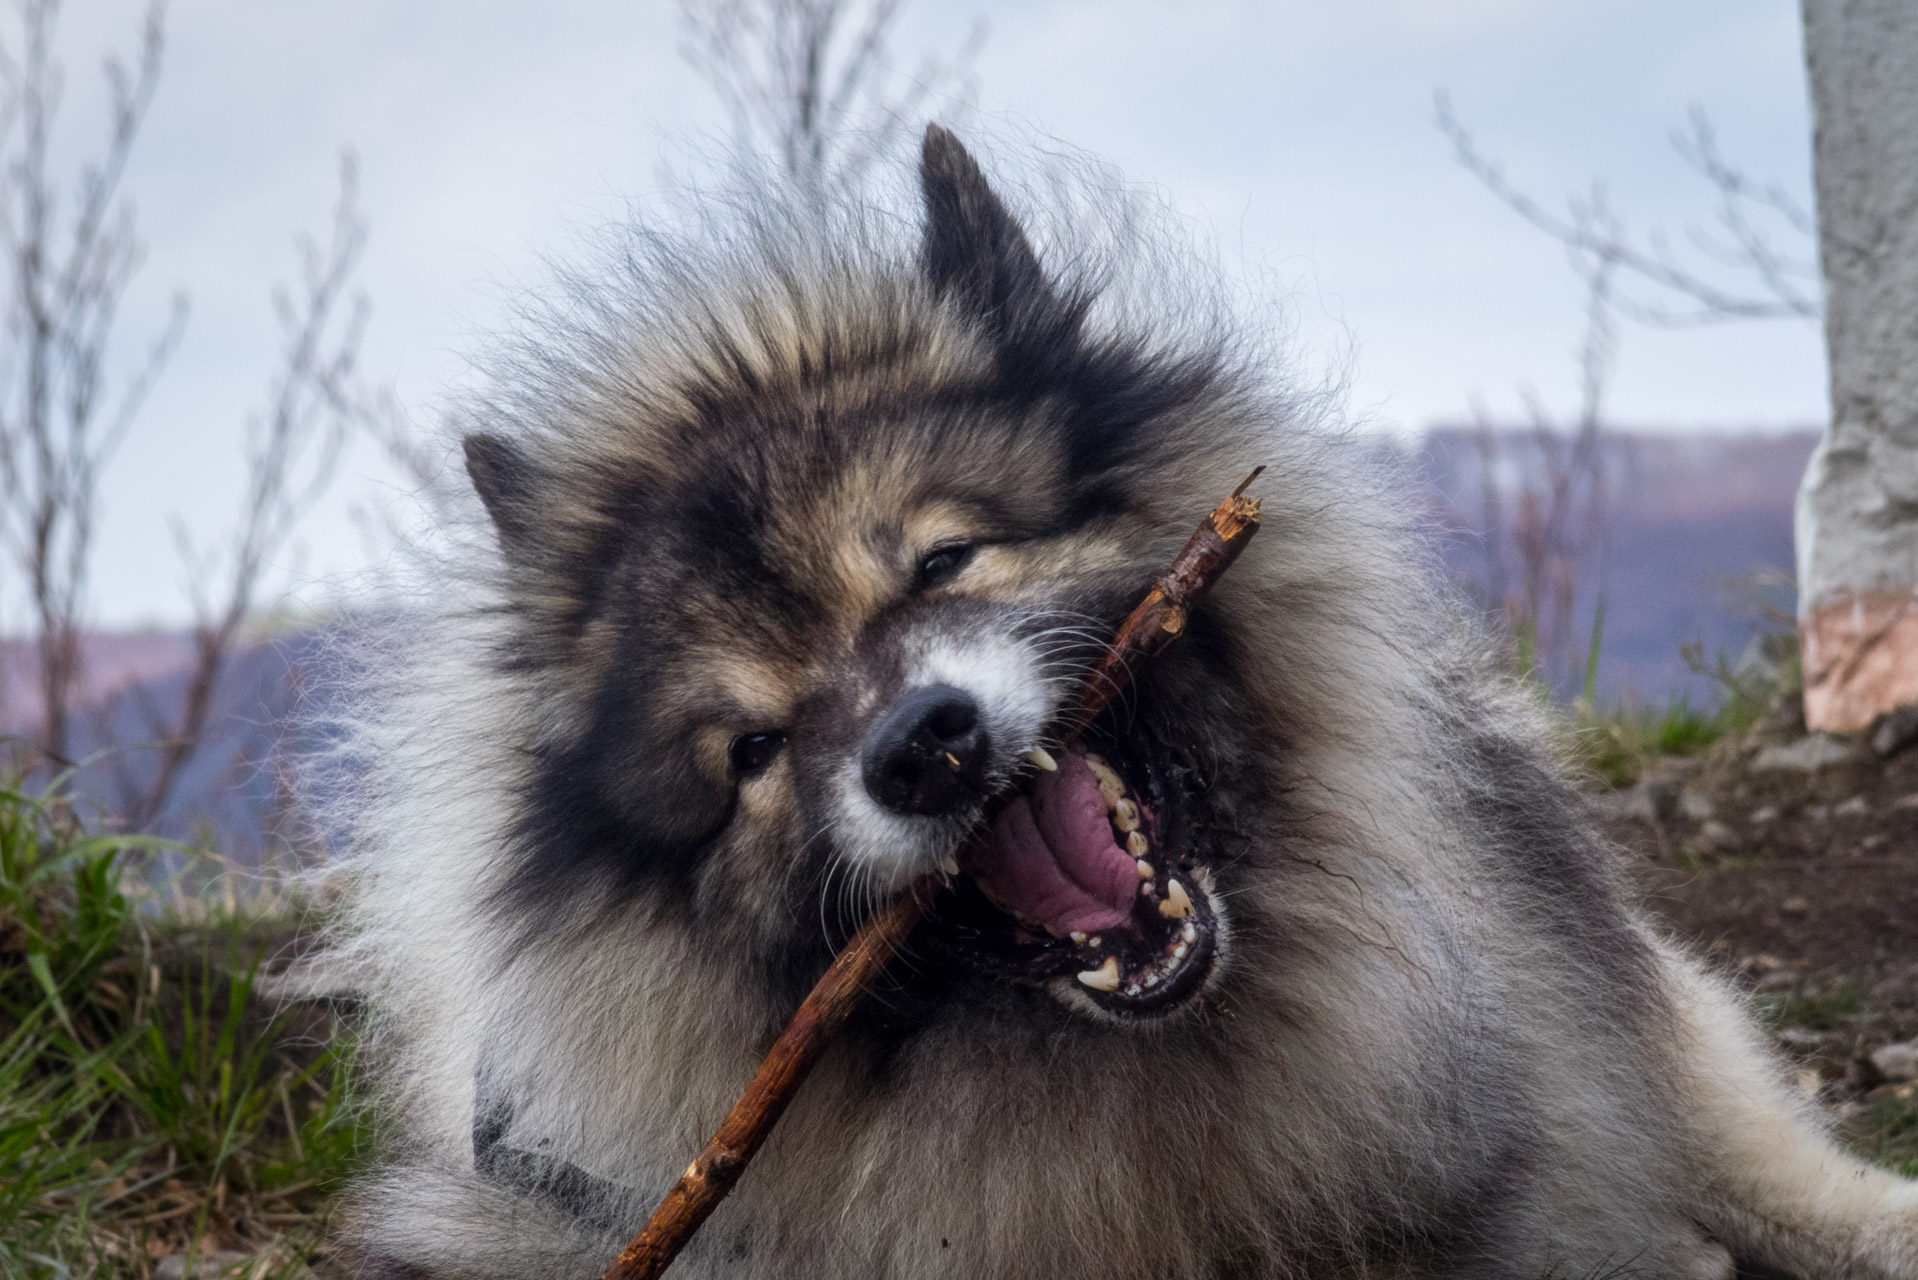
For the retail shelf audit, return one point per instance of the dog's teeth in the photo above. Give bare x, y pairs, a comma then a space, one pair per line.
1093, 942
1125, 815
1136, 844
1110, 785
1177, 904
1178, 952
1190, 933
1145, 888
1146, 870
1043, 758
1055, 931
1078, 937
1105, 977
949, 865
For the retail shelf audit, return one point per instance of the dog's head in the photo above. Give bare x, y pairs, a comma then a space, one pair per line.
806, 609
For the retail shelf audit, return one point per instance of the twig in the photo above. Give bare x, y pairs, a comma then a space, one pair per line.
1158, 620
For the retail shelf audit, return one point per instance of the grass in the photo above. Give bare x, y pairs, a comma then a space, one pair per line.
1621, 740
1892, 1125
1830, 1008
153, 1104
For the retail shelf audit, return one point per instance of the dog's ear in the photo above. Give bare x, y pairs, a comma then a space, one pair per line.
504, 478
975, 249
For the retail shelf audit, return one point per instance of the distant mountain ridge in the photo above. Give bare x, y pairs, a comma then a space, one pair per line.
1697, 528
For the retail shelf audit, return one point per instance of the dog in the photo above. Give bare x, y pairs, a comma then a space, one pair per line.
793, 532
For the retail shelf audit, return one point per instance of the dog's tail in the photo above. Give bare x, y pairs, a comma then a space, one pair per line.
1780, 1193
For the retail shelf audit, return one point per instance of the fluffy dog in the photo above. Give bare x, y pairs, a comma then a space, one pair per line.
798, 528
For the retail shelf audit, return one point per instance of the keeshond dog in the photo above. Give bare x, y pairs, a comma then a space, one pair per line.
799, 525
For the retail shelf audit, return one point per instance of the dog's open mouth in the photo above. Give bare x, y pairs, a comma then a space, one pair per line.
1086, 877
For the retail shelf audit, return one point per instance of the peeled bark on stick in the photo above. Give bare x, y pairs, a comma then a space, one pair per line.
1158, 620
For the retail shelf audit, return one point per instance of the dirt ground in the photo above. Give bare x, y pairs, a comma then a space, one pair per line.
1792, 861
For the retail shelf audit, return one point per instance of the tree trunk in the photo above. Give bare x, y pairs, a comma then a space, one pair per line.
1857, 517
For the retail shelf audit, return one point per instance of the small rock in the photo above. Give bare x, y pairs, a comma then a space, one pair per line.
1717, 835
1873, 840
1810, 753
1897, 1062
1852, 808
1661, 798
1796, 905
1697, 806
1776, 981
1632, 802
1906, 802
1895, 730
1763, 815
205, 1265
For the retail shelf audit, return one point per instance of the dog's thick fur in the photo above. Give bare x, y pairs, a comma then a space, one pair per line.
1440, 1042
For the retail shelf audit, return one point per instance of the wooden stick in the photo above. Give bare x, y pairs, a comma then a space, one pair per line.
1158, 620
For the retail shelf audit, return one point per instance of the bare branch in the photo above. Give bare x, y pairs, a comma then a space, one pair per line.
1596, 239
811, 81
66, 274
293, 451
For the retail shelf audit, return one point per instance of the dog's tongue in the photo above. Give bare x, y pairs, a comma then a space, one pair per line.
1052, 855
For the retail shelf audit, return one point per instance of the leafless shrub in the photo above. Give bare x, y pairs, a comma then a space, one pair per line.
293, 450
1539, 557
1551, 547
69, 249
812, 81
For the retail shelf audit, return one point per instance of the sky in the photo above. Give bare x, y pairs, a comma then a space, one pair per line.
1298, 135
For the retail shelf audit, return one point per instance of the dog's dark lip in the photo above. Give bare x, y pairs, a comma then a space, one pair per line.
1152, 963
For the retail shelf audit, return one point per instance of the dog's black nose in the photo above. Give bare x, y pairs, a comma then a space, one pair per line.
928, 755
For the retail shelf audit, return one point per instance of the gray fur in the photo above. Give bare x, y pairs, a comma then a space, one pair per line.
1441, 1042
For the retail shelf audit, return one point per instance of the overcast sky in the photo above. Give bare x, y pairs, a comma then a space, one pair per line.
1300, 132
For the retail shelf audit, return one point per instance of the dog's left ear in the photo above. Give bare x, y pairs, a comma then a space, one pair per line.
976, 250
504, 478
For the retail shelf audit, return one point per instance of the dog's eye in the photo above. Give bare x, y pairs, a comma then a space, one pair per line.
752, 752
941, 566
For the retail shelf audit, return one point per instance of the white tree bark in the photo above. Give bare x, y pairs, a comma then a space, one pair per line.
1857, 516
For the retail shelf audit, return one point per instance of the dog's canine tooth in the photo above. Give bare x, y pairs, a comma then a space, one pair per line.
1136, 844
949, 865
1177, 904
1043, 758
1105, 977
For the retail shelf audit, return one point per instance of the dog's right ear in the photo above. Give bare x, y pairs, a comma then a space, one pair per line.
975, 250
504, 478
